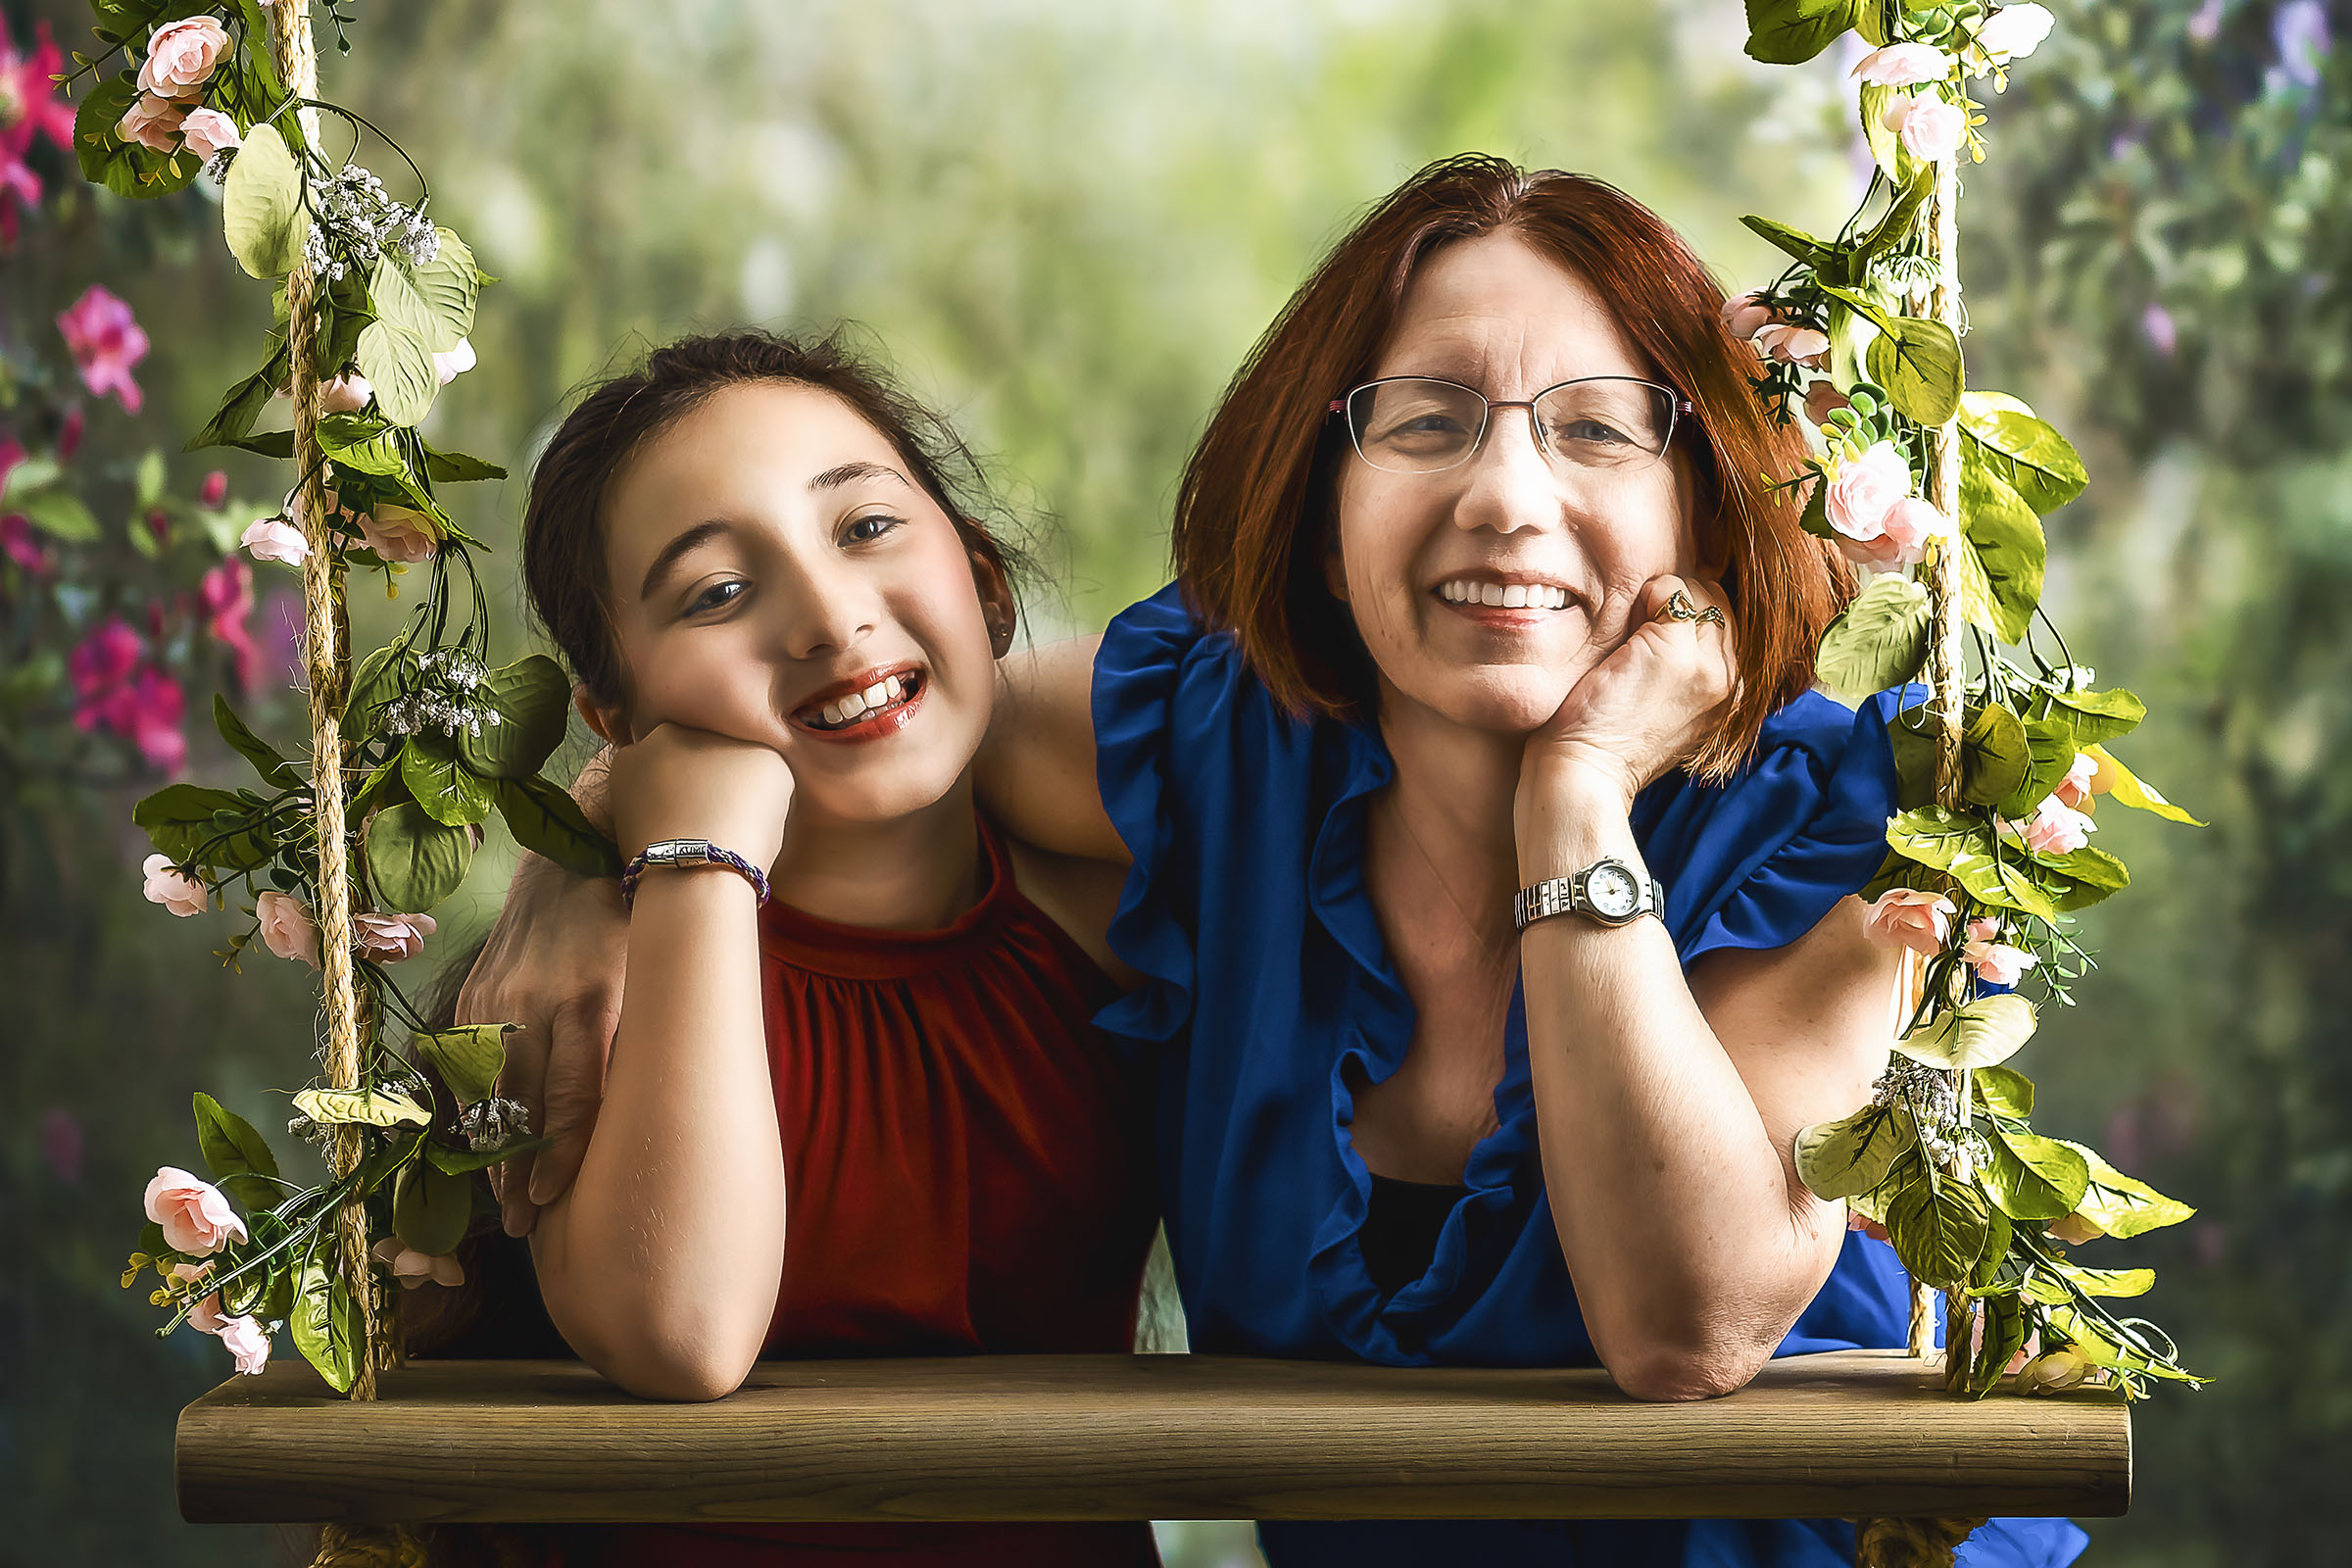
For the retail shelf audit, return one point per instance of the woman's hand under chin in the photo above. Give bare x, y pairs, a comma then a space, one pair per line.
1646, 707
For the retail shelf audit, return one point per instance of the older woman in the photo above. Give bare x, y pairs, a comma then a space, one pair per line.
1491, 864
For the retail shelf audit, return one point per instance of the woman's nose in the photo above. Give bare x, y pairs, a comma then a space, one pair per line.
1509, 483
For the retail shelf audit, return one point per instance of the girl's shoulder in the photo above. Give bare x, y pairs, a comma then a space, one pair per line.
1078, 895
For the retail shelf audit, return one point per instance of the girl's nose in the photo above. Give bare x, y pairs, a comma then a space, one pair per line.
825, 613
1508, 483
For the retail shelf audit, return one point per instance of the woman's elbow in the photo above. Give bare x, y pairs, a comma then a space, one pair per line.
1662, 1371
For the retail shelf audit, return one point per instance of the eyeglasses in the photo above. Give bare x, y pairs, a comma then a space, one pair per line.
1420, 425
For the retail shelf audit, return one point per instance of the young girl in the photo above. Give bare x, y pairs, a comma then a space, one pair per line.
855, 1104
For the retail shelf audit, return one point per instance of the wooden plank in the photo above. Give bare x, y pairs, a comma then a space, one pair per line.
1149, 1436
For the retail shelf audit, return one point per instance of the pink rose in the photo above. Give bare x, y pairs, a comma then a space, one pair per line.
1930, 127
2081, 781
2056, 828
2015, 32
2055, 1372
180, 56
454, 363
1909, 524
205, 1316
172, 887
153, 122
243, 1338
287, 927
1865, 489
196, 1218
275, 539
1910, 918
345, 394
1823, 399
391, 937
1994, 962
1793, 345
399, 533
1903, 65
105, 342
413, 1268
209, 132
1744, 315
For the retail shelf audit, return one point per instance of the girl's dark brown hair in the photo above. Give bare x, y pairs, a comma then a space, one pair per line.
1257, 506
564, 521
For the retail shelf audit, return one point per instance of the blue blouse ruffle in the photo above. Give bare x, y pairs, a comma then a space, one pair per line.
1257, 1016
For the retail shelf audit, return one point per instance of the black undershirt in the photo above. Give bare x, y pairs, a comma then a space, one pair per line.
1401, 1222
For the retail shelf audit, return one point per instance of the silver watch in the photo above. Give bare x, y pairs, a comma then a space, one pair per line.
1611, 892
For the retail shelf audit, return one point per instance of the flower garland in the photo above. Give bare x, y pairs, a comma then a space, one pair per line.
416, 748
2002, 757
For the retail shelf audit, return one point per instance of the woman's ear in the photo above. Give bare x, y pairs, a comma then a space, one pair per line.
998, 608
609, 721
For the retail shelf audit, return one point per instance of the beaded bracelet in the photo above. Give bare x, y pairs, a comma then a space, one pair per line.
688, 851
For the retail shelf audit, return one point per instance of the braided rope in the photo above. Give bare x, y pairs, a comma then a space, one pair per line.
327, 657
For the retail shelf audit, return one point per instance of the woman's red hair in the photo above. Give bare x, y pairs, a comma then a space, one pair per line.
1256, 507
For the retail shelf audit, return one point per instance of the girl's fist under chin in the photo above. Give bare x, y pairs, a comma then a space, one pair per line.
680, 783
1643, 710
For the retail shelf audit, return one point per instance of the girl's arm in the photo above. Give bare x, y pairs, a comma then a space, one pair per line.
1035, 774
1668, 1107
660, 1263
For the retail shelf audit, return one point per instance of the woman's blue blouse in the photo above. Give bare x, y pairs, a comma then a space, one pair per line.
1265, 981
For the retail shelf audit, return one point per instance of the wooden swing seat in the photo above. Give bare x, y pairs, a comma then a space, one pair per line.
1850, 1434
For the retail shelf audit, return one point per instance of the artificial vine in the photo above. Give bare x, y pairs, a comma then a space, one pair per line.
2002, 753
338, 855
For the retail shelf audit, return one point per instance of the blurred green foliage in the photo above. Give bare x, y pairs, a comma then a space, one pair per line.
1066, 222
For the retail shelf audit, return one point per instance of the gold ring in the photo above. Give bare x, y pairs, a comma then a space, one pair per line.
1678, 607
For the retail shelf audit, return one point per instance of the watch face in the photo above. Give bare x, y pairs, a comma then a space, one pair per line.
1612, 890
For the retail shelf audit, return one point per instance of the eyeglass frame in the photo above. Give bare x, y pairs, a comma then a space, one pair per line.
1677, 405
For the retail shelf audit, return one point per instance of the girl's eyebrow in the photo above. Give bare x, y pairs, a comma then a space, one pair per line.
842, 473
702, 533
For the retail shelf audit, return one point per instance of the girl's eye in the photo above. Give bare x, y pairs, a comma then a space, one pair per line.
718, 596
873, 526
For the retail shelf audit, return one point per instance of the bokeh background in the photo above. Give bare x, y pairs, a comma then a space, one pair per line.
1065, 222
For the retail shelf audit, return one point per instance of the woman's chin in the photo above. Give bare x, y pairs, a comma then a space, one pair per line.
1507, 706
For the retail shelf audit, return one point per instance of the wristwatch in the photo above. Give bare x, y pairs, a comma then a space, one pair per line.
1611, 892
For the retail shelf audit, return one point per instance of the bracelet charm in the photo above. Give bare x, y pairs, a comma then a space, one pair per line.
688, 851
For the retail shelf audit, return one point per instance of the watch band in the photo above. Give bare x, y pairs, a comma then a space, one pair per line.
1572, 895
688, 851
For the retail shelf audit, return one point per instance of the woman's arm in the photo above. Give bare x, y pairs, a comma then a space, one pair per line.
1035, 774
1668, 1111
660, 1263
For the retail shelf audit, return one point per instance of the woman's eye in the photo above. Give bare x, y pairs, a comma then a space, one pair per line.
873, 526
718, 596
1589, 430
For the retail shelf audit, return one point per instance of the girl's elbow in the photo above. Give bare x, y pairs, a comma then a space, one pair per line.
680, 1379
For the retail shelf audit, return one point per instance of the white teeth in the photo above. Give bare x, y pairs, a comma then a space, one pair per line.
893, 689
1511, 596
876, 694
1514, 597
1491, 593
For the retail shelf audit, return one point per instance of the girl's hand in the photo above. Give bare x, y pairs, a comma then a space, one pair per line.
678, 783
1644, 709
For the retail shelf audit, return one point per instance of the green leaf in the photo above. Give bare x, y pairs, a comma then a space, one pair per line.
1975, 1034
1790, 32
1886, 147
2100, 716
2126, 788
326, 1322
60, 514
1795, 242
262, 211
1877, 641
458, 1161
450, 792
1894, 227
1994, 756
148, 481
2101, 1349
2121, 1206
234, 419
2004, 1090
2032, 1177
1938, 1230
2027, 454
449, 286
2106, 1282
231, 1146
184, 821
2091, 875
30, 475
533, 703
381, 788
2004, 1337
468, 1057
546, 821
378, 680
273, 769
1962, 847
392, 291
1917, 363
2051, 751
400, 366
431, 1208
1847, 1158
367, 1107
456, 467
414, 860
125, 168
2001, 568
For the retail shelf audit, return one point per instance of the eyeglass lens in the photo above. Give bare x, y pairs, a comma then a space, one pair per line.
1411, 425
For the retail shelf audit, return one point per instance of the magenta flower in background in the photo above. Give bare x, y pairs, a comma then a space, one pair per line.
146, 708
226, 594
105, 342
104, 661
68, 434
16, 540
214, 491
156, 710
30, 108
60, 1144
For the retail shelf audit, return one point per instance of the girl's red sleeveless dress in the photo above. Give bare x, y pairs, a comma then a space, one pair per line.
968, 1171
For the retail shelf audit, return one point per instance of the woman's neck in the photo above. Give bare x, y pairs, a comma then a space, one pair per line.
1452, 796
910, 873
